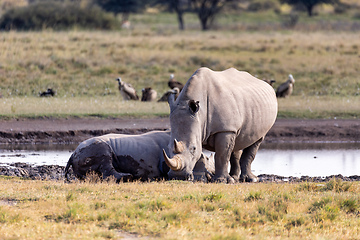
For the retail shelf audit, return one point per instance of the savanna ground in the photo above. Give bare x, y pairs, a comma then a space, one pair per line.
81, 66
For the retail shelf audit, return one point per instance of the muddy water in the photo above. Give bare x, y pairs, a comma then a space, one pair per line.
284, 159
311, 159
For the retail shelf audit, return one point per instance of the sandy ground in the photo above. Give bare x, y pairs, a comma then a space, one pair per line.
75, 130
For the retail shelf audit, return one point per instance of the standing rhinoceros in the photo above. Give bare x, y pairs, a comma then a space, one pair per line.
128, 157
228, 112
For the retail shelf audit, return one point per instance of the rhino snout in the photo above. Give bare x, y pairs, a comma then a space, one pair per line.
180, 176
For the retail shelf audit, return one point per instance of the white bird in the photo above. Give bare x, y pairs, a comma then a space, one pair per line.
286, 88
172, 83
127, 91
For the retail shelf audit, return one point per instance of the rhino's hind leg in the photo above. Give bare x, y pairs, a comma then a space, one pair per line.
98, 157
246, 159
107, 168
235, 165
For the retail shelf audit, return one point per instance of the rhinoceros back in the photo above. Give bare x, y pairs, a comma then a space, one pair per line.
140, 155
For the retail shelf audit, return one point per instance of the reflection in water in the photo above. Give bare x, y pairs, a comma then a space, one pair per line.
41, 157
307, 162
284, 159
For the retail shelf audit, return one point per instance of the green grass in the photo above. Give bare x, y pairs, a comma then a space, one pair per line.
60, 107
110, 106
178, 210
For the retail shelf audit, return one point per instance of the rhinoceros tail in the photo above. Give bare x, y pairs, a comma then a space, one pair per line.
70, 162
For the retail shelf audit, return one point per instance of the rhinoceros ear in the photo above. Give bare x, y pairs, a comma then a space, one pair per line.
194, 106
171, 100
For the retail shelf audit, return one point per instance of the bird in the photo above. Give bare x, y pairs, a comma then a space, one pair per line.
148, 94
127, 91
270, 82
166, 95
49, 92
172, 83
286, 88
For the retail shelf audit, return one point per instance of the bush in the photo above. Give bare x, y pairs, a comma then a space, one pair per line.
57, 16
263, 5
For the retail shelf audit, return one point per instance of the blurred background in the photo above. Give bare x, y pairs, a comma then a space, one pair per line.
78, 48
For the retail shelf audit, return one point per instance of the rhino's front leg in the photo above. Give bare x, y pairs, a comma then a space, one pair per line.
224, 144
108, 170
246, 159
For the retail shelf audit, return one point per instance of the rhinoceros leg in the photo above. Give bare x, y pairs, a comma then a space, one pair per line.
235, 165
224, 144
246, 159
98, 157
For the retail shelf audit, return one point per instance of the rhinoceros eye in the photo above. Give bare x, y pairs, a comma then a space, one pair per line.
194, 106
192, 150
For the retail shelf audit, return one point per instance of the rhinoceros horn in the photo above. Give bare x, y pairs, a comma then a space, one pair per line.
178, 147
173, 163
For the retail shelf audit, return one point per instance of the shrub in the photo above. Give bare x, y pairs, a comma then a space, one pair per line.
350, 205
253, 196
341, 8
263, 5
337, 185
57, 16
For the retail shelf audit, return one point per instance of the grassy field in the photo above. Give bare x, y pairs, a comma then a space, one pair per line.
113, 106
82, 66
178, 210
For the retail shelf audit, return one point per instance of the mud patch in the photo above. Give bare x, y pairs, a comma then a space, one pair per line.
27, 171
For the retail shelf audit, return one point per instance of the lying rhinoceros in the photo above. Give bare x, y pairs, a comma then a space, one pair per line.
228, 112
127, 157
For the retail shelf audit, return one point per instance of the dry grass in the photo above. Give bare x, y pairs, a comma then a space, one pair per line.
82, 65
178, 210
319, 107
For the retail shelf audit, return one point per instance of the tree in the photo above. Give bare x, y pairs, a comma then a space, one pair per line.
207, 10
179, 6
309, 4
121, 6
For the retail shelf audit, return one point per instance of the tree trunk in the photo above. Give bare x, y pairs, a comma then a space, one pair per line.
125, 16
180, 20
309, 9
204, 21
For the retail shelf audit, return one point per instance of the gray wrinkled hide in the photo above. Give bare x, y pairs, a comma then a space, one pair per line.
127, 157
228, 112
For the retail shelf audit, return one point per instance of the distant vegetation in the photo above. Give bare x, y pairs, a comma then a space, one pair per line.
322, 53
57, 16
266, 14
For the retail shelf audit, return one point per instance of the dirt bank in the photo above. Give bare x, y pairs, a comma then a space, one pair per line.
75, 130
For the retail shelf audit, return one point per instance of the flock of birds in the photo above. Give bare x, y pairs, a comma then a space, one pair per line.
128, 92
